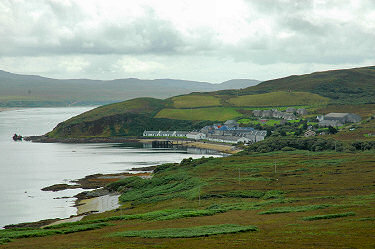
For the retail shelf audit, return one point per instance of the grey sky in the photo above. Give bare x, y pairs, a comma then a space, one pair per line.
210, 40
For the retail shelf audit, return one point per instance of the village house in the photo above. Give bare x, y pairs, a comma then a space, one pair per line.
150, 133
274, 113
231, 124
165, 133
256, 136
196, 135
291, 110
230, 132
301, 111
338, 119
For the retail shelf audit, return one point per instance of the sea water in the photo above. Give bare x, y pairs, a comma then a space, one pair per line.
26, 167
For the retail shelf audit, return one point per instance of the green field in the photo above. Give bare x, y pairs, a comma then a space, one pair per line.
211, 113
189, 101
279, 99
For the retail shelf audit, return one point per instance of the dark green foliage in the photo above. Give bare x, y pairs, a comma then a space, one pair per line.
125, 183
27, 233
363, 145
179, 184
191, 232
277, 144
332, 130
328, 216
163, 167
287, 148
187, 162
161, 188
157, 188
279, 210
257, 194
4, 240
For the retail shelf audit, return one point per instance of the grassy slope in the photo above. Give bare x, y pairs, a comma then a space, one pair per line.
279, 99
212, 113
325, 185
140, 105
100, 121
356, 85
188, 101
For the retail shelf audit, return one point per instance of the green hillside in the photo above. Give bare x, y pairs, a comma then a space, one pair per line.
278, 99
212, 113
128, 118
185, 112
356, 85
194, 100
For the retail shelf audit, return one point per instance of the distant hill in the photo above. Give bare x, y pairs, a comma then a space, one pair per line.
32, 90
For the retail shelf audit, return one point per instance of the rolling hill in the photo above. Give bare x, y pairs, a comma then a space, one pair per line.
31, 90
187, 112
356, 85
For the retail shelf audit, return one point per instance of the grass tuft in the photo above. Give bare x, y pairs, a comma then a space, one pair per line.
328, 216
190, 232
8, 234
279, 210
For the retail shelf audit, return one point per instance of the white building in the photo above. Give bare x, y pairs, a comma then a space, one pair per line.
196, 135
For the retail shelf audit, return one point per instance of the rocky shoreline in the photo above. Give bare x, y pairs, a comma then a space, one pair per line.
96, 182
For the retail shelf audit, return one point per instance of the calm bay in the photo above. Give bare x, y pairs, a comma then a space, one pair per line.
27, 167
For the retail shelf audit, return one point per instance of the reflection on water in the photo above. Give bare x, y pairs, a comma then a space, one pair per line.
26, 168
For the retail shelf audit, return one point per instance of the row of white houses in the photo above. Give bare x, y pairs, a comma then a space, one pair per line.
248, 137
165, 133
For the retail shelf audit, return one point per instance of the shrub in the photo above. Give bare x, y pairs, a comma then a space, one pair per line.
287, 148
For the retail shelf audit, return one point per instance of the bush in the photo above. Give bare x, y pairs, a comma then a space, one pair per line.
285, 144
287, 148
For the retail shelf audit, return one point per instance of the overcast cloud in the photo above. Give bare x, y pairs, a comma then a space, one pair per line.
210, 40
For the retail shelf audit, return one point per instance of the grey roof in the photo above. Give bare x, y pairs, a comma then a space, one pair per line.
194, 133
150, 132
182, 133
229, 122
166, 132
257, 133
290, 109
336, 115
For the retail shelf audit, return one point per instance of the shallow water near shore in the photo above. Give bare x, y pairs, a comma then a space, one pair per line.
27, 167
